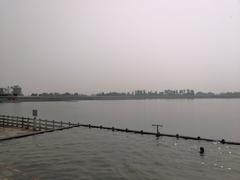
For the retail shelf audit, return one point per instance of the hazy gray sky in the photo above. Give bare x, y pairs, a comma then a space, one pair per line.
100, 45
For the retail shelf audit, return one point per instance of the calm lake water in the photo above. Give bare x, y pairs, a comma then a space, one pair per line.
82, 153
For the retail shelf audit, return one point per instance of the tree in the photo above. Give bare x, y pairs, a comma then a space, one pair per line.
16, 90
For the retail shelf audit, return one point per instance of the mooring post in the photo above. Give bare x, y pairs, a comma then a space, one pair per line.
158, 125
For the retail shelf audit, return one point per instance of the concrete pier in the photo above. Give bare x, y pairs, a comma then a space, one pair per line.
7, 132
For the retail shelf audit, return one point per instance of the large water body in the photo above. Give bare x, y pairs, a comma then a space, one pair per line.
83, 153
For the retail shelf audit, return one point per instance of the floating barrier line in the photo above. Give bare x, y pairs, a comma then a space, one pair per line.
40, 126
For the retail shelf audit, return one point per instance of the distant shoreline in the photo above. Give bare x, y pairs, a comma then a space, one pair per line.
82, 98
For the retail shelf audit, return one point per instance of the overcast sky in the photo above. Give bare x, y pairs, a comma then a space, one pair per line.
89, 46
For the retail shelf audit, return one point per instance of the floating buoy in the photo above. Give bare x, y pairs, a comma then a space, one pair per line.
201, 150
223, 141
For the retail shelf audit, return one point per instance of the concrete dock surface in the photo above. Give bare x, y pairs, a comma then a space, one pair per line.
10, 132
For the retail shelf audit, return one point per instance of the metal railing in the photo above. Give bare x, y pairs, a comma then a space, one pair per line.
32, 123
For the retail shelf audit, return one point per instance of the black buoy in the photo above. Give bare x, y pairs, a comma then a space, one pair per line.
198, 137
141, 131
113, 128
223, 141
177, 136
201, 150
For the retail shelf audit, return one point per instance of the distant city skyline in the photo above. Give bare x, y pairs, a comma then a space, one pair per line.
99, 46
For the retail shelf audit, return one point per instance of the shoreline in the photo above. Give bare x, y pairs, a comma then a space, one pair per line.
13, 99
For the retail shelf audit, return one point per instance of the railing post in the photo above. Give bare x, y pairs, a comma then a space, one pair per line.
28, 123
7, 120
11, 122
45, 124
34, 124
39, 124
17, 122
3, 121
22, 121
14, 122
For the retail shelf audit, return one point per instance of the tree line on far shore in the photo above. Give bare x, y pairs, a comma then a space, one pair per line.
188, 93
